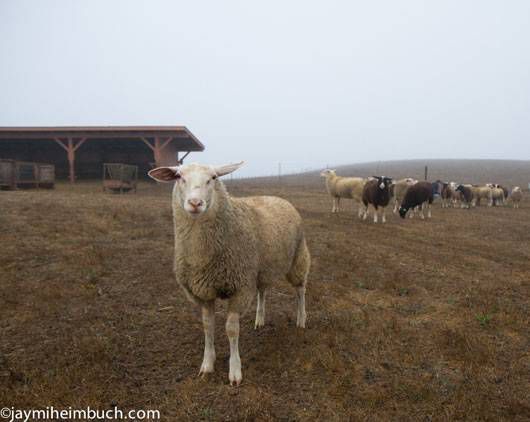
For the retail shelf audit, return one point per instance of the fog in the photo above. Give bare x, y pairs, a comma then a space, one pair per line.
304, 83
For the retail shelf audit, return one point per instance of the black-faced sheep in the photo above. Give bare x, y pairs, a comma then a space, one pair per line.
467, 195
376, 192
417, 195
233, 249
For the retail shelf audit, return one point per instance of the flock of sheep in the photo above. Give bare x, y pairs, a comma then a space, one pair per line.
235, 249
406, 194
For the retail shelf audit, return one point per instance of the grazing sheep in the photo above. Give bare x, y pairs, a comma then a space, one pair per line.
398, 190
516, 196
344, 187
482, 192
467, 195
497, 196
376, 192
233, 249
419, 194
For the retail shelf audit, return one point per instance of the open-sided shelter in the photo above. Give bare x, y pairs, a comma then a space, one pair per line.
79, 152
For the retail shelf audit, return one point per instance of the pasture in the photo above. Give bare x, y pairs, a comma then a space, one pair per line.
411, 320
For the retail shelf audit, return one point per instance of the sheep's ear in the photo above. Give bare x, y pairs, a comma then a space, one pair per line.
227, 169
164, 174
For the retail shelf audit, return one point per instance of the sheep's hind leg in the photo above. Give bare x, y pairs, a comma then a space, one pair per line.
208, 322
300, 312
260, 309
297, 276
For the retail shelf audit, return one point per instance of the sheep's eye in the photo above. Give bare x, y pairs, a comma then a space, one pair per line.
178, 176
214, 177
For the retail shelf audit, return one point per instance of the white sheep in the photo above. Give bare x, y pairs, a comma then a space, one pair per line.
516, 196
398, 190
233, 249
344, 187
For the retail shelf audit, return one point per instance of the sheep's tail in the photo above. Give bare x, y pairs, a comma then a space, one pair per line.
297, 275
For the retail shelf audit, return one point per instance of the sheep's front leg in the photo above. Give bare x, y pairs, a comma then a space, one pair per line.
260, 309
232, 331
208, 323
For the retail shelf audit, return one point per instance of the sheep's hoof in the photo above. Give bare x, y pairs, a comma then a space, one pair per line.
205, 370
259, 324
204, 373
235, 379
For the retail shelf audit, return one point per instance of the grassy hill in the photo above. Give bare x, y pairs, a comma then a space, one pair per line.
506, 172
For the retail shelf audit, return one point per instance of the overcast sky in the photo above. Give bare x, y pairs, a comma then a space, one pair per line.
307, 83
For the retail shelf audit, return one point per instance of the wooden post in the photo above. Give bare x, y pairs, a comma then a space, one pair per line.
426, 172
71, 159
70, 149
157, 148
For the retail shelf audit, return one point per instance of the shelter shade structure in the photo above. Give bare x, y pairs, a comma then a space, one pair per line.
85, 149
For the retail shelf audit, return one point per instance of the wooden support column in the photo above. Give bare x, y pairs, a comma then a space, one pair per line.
71, 147
157, 148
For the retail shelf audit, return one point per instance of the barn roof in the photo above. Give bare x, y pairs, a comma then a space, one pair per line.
186, 141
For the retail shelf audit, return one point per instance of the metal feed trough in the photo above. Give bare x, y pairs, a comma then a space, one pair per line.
119, 178
22, 174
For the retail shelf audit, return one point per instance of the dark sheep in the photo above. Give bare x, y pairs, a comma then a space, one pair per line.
467, 195
376, 192
419, 194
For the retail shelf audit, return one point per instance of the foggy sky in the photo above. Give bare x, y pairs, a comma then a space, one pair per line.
307, 83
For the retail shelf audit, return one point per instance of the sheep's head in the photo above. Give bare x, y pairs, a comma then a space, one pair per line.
328, 173
383, 182
194, 189
403, 211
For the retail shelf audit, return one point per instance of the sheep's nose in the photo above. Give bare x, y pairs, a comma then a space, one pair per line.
195, 203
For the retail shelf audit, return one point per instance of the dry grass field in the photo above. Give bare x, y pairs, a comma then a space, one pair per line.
412, 320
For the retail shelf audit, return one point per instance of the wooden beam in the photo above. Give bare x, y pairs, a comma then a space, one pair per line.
168, 140
184, 156
147, 143
79, 143
61, 144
